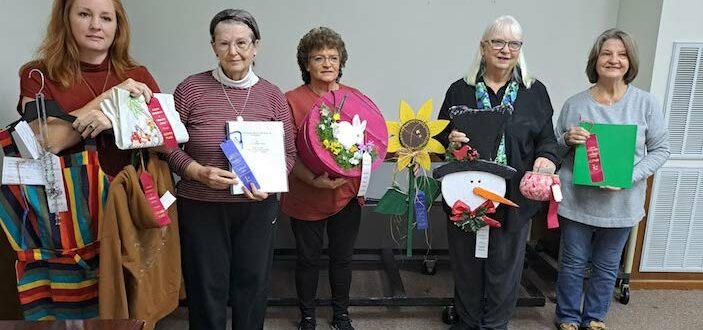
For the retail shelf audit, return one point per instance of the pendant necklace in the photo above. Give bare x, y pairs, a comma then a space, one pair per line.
107, 76
246, 100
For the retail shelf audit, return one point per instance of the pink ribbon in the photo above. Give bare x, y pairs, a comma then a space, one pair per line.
552, 218
162, 123
595, 167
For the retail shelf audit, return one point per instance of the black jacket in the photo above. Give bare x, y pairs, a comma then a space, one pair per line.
529, 134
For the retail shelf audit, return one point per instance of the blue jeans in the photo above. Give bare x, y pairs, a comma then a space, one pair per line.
579, 244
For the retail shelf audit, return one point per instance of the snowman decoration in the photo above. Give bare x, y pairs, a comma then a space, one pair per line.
474, 188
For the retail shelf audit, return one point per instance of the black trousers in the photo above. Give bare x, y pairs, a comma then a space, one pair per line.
486, 290
227, 251
342, 229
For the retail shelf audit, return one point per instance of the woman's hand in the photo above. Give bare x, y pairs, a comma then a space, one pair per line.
323, 181
254, 194
575, 136
136, 89
544, 165
610, 188
90, 122
213, 177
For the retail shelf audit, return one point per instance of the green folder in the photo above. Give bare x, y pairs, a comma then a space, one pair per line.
617, 154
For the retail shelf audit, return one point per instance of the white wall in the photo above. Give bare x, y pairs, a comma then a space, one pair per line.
22, 27
641, 19
398, 48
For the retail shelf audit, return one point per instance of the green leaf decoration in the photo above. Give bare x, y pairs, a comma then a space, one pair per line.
393, 202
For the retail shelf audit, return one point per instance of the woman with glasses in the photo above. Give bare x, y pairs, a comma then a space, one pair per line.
318, 203
226, 240
596, 222
498, 91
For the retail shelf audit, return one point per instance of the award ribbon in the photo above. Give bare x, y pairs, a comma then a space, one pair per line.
159, 116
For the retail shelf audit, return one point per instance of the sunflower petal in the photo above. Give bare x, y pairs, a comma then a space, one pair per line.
403, 162
393, 127
437, 126
393, 143
425, 111
423, 158
406, 112
435, 147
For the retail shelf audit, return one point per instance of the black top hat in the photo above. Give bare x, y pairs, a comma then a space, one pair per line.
484, 128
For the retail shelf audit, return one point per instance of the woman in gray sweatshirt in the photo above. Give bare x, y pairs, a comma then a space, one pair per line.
596, 221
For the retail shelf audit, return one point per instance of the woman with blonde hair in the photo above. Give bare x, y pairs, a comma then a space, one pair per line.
499, 95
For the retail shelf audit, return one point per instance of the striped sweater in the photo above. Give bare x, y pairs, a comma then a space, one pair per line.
205, 110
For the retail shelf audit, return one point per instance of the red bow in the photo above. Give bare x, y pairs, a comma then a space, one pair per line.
487, 207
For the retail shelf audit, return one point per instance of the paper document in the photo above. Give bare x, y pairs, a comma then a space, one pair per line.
261, 145
26, 141
17, 170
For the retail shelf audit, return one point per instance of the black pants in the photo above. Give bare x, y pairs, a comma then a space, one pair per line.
227, 251
342, 229
486, 290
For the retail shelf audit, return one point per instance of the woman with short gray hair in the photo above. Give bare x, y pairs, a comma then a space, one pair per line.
596, 221
226, 240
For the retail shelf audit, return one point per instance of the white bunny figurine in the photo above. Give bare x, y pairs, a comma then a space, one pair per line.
350, 134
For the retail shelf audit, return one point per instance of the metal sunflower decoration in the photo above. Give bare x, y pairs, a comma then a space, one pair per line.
411, 137
411, 140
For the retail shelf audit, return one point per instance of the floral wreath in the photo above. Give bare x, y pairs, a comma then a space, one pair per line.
345, 158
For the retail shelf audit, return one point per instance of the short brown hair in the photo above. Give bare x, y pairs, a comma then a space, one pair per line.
58, 54
320, 38
630, 48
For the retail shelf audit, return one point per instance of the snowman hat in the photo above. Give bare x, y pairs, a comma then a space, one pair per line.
479, 165
484, 130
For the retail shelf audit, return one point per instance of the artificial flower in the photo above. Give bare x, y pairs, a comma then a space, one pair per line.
412, 137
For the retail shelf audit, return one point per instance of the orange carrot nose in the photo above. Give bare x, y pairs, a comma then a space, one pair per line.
493, 196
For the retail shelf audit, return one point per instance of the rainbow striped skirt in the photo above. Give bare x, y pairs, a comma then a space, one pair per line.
57, 267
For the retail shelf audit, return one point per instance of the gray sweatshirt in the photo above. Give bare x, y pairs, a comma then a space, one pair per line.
601, 207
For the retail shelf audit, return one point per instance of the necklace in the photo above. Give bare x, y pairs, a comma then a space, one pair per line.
246, 100
107, 76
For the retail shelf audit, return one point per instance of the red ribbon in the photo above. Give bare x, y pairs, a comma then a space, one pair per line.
552, 218
153, 199
459, 208
595, 167
162, 123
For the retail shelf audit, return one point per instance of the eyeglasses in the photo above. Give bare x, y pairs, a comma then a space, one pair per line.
240, 45
498, 44
319, 59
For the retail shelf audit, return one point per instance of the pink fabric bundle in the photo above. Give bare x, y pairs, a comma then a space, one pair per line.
542, 187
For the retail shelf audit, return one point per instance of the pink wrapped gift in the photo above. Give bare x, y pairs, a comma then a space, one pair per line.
358, 128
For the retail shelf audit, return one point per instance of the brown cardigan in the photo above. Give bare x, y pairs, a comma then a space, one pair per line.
140, 270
